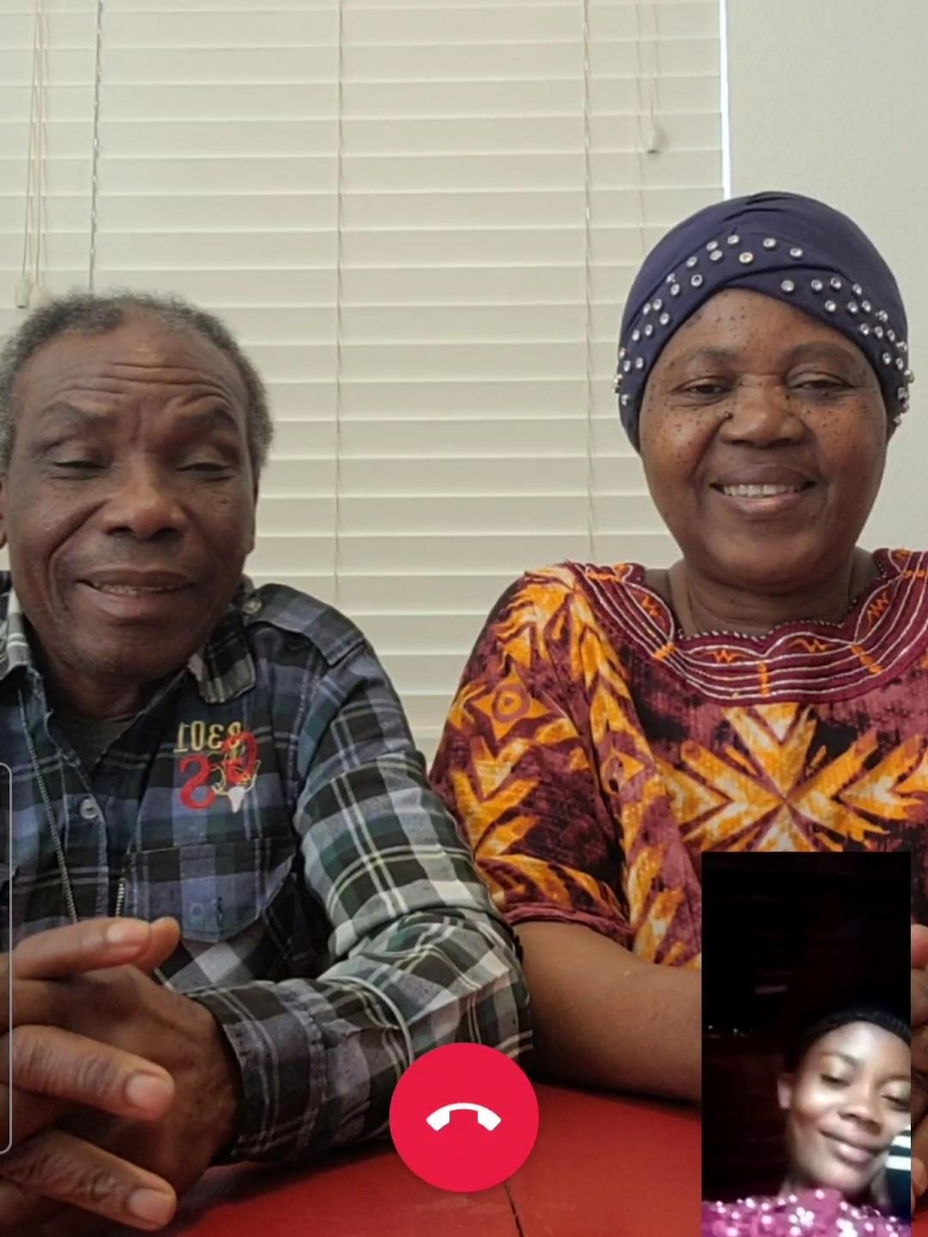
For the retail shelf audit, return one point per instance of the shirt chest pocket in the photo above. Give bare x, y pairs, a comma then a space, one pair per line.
216, 891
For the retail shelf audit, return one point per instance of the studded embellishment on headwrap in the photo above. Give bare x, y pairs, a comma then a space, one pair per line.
787, 246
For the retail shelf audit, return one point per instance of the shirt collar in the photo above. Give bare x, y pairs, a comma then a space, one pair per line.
14, 640
222, 669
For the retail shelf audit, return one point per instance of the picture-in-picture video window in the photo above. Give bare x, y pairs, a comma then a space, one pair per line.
806, 1058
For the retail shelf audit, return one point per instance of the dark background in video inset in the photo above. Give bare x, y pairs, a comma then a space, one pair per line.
786, 937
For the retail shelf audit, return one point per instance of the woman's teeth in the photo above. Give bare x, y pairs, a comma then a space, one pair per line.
760, 491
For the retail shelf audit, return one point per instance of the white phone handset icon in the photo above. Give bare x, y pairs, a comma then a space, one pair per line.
485, 1116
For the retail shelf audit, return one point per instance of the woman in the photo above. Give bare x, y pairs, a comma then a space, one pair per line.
768, 692
846, 1096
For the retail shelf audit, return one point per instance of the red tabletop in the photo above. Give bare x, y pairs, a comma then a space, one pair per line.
603, 1166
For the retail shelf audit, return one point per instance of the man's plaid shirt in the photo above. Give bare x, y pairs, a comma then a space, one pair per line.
270, 798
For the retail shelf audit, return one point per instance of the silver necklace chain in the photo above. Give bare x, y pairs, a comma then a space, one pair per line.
49, 812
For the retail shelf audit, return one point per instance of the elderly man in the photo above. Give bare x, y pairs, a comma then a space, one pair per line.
229, 765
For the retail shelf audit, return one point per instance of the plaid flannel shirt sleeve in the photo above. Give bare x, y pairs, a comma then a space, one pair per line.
418, 956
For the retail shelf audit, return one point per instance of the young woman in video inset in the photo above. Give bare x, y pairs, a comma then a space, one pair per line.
845, 1093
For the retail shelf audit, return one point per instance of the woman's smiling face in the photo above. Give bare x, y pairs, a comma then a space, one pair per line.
763, 436
847, 1101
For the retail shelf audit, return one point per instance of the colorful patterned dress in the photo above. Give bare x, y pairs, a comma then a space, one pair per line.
593, 751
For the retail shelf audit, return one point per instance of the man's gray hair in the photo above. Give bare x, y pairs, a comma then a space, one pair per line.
90, 313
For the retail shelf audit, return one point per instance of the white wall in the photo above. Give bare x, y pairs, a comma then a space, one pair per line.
830, 98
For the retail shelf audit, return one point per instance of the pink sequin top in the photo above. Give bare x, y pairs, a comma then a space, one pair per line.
813, 1213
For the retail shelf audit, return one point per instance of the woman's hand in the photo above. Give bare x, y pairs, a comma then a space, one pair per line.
879, 1192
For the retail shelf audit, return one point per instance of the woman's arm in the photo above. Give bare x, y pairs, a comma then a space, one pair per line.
519, 766
604, 1017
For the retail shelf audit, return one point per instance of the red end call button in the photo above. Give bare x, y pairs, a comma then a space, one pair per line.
464, 1117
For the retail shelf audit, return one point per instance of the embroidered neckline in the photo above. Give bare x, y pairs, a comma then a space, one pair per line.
886, 570
886, 626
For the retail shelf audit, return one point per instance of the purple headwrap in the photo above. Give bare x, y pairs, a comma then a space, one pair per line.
787, 246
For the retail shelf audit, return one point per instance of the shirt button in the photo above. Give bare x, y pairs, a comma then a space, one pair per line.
252, 605
89, 809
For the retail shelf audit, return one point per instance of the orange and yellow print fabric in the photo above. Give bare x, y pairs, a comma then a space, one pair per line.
592, 752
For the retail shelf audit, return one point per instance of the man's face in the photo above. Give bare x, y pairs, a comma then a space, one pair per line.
846, 1103
129, 502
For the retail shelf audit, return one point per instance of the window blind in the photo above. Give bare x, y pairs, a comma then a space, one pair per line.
421, 217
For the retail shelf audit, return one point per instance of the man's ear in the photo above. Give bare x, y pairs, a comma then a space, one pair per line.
254, 520
785, 1084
